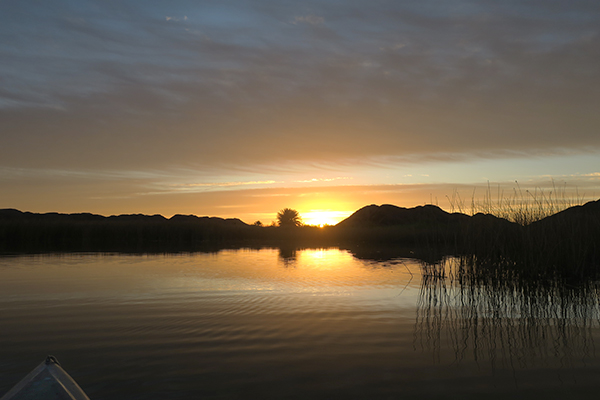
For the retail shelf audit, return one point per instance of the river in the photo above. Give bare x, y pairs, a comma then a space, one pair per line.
299, 324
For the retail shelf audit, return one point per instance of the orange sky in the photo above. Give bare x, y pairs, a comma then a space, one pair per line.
316, 204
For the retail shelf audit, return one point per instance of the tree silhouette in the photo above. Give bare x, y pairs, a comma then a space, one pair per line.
289, 217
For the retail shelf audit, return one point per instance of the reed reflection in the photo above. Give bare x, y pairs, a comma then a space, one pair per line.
502, 320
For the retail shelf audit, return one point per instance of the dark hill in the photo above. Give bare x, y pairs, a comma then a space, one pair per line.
589, 211
570, 237
179, 218
26, 231
389, 215
427, 226
136, 218
578, 223
13, 215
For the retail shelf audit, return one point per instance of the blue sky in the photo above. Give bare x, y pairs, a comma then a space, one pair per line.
137, 106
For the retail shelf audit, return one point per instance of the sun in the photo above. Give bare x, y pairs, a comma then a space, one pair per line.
323, 217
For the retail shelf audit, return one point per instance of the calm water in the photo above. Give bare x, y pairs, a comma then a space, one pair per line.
306, 324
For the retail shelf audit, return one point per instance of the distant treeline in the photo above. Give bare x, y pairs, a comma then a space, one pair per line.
24, 231
565, 243
32, 232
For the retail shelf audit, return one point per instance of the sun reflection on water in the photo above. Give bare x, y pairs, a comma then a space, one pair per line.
325, 259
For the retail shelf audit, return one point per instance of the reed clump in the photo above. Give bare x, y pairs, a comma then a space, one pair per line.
492, 314
518, 205
552, 235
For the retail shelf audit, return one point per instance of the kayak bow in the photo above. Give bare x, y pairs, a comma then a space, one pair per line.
48, 381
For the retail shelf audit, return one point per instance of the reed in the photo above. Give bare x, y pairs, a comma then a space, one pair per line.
554, 237
522, 206
507, 321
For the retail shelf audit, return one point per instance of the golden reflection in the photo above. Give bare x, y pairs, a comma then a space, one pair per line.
292, 268
286, 269
325, 259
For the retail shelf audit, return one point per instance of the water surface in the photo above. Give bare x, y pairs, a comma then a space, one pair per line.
313, 323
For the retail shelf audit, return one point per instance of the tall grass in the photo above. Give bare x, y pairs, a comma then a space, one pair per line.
523, 206
565, 246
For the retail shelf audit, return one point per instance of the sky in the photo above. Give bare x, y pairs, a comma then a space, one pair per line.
236, 108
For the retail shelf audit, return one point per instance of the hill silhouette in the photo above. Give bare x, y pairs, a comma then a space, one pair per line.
26, 231
390, 215
426, 225
13, 215
570, 237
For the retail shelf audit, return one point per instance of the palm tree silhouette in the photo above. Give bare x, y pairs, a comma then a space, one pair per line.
289, 217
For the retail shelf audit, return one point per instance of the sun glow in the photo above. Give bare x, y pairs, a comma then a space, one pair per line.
323, 217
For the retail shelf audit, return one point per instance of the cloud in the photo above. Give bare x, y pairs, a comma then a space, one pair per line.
315, 180
191, 187
124, 86
225, 184
175, 19
309, 19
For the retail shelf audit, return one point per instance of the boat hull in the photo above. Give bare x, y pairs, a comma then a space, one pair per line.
47, 381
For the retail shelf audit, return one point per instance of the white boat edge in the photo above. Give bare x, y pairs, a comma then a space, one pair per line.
48, 369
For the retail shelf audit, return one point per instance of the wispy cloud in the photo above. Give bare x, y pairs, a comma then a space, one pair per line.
165, 187
308, 19
176, 19
223, 184
315, 180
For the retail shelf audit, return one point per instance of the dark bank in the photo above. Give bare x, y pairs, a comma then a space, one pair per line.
566, 244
